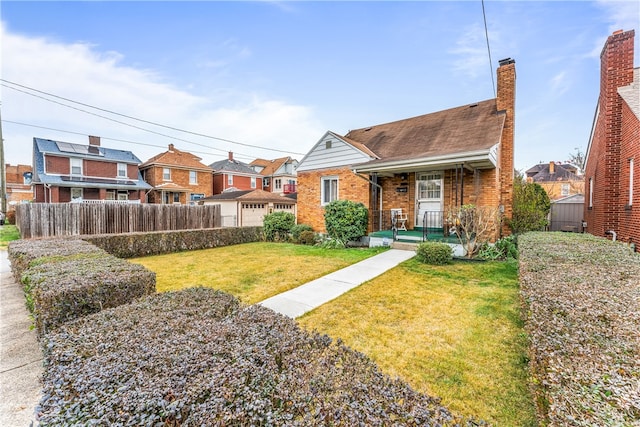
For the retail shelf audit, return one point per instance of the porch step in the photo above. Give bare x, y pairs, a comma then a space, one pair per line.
404, 246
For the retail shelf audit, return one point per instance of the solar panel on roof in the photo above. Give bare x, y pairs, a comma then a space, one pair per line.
66, 147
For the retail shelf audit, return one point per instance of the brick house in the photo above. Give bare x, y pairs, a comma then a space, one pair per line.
559, 180
612, 174
247, 208
65, 172
177, 177
18, 183
234, 175
278, 176
423, 165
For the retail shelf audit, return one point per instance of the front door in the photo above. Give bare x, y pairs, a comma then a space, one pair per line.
429, 198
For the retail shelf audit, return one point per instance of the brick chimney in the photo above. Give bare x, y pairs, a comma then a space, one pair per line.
506, 103
171, 148
94, 140
552, 167
231, 155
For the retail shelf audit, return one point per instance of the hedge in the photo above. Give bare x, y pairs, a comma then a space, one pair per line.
197, 357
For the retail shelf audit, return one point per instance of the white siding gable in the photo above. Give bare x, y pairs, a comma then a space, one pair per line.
332, 152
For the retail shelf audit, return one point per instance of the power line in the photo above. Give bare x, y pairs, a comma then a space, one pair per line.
241, 155
132, 118
486, 34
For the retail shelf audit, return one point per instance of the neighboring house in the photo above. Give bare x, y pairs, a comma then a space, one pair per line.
233, 174
612, 165
177, 177
18, 183
423, 165
247, 208
559, 180
65, 172
278, 176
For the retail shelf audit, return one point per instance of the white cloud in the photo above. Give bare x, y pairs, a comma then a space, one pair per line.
560, 83
82, 73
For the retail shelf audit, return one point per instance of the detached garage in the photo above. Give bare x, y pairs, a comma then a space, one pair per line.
567, 214
247, 208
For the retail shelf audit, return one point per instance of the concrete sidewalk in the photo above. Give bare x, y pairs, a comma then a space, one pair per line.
306, 297
20, 354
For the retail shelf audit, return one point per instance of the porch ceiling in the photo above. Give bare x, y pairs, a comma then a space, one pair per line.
485, 159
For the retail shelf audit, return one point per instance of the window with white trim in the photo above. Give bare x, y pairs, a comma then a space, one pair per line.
76, 166
193, 177
123, 195
564, 189
631, 182
76, 194
166, 174
229, 179
277, 183
122, 170
591, 192
110, 195
329, 189
253, 182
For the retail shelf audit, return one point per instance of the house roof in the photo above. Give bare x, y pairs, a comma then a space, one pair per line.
256, 195
270, 167
631, 93
541, 173
576, 198
175, 158
65, 149
469, 131
234, 166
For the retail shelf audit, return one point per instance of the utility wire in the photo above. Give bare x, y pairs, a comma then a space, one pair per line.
131, 117
122, 140
486, 34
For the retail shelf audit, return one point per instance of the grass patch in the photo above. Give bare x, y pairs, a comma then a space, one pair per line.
8, 233
451, 331
252, 272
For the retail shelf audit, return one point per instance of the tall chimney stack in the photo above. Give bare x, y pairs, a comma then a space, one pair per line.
231, 155
552, 167
506, 103
94, 140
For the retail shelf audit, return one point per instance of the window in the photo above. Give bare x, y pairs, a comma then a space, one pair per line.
229, 179
327, 145
110, 195
166, 174
564, 190
590, 193
196, 196
277, 183
329, 189
123, 195
253, 182
176, 197
122, 170
76, 194
265, 182
193, 177
630, 182
76, 166
430, 186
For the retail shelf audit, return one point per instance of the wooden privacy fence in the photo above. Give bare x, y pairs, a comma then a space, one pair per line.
72, 219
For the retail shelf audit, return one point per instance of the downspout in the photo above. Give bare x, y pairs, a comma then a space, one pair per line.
380, 188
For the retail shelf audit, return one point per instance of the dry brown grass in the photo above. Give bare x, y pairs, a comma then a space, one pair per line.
252, 271
450, 331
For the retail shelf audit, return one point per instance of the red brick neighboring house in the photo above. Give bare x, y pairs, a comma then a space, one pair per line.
612, 166
247, 208
18, 182
231, 174
65, 172
423, 165
278, 175
177, 177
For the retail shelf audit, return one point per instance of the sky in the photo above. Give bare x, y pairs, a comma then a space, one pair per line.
267, 79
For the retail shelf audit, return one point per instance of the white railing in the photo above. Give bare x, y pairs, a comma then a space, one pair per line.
124, 202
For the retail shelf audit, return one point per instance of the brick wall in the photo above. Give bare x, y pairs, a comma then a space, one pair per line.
605, 162
350, 187
154, 177
629, 230
57, 165
505, 101
241, 182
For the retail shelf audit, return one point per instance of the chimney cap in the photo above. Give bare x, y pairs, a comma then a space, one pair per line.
506, 61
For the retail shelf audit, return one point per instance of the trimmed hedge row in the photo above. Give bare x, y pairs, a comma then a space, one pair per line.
68, 278
130, 245
197, 357
581, 307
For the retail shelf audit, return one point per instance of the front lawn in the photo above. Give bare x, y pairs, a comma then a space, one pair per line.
252, 272
451, 331
8, 233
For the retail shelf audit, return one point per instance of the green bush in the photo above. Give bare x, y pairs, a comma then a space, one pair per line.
297, 230
198, 358
505, 248
278, 225
307, 238
531, 206
345, 220
434, 253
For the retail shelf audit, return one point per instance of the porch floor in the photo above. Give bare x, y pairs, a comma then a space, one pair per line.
416, 235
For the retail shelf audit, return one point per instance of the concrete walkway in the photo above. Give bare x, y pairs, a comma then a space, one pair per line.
20, 354
306, 297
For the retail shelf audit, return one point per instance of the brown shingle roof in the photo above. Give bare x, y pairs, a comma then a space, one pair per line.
462, 129
175, 158
270, 166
